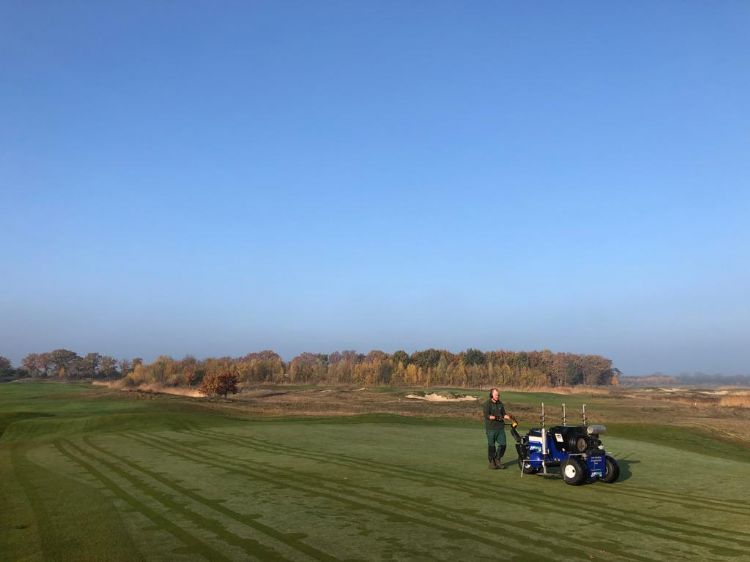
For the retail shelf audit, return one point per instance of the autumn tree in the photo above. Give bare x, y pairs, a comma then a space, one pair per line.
219, 383
473, 357
64, 363
427, 359
430, 367
89, 365
188, 369
37, 364
125, 367
5, 365
400, 356
107, 367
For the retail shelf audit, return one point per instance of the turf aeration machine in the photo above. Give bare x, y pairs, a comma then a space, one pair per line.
575, 450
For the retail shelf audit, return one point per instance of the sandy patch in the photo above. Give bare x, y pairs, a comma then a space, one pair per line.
434, 397
177, 391
156, 388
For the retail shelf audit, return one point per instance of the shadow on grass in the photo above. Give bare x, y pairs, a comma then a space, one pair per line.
625, 472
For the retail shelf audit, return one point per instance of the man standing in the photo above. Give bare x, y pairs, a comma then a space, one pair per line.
494, 414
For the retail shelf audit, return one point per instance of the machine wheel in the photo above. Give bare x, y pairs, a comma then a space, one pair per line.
573, 472
611, 470
526, 467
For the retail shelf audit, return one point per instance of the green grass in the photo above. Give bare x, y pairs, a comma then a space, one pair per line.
89, 474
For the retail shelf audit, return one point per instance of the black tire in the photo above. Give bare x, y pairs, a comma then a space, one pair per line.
573, 471
611, 470
526, 467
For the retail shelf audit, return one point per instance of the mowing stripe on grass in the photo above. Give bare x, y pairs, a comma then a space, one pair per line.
359, 463
688, 536
460, 514
419, 504
160, 521
692, 502
245, 519
250, 546
402, 502
22, 471
52, 532
292, 481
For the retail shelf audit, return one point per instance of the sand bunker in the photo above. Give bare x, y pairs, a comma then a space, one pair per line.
152, 387
176, 390
434, 397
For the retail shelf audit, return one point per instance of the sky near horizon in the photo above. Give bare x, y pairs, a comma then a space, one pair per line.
215, 178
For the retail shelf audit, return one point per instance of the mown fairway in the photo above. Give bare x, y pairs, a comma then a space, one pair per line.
87, 474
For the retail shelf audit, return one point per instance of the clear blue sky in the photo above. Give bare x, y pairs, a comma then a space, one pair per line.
220, 177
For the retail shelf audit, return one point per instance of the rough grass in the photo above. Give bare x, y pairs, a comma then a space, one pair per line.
736, 401
95, 475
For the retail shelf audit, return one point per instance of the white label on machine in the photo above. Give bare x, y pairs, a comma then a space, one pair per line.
558, 437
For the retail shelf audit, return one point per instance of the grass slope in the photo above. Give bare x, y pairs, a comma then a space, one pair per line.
88, 474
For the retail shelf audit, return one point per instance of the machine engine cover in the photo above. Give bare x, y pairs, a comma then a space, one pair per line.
596, 429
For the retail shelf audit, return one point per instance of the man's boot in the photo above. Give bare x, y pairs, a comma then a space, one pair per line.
491, 457
499, 459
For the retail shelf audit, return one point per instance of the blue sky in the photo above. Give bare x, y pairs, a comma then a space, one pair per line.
220, 177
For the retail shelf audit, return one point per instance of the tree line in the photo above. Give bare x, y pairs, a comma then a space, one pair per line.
471, 368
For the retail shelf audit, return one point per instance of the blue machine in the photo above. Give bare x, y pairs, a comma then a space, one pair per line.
576, 451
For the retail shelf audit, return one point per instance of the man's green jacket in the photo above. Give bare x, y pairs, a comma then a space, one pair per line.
493, 409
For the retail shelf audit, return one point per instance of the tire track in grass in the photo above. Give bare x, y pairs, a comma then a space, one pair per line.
352, 499
250, 546
249, 520
160, 521
688, 503
733, 508
402, 472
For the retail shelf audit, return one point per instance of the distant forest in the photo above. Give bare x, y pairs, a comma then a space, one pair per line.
431, 367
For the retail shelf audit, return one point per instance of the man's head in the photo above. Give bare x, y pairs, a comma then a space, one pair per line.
495, 394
